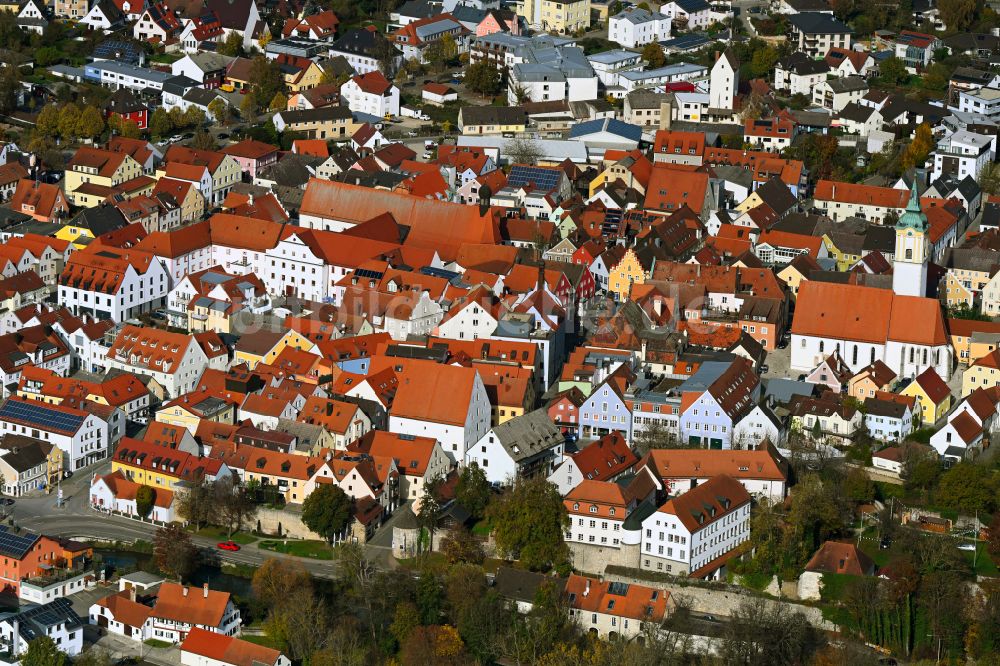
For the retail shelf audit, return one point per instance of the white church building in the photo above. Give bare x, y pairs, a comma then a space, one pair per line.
902, 328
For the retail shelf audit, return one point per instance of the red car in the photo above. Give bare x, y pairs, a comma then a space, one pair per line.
228, 545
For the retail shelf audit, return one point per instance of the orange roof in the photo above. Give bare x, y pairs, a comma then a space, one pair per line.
125, 489
250, 149
436, 225
102, 269
373, 83
228, 649
334, 415
705, 463
105, 161
868, 195
311, 147
671, 187
412, 454
436, 393
190, 605
150, 347
266, 462
670, 142
866, 314
636, 602
124, 610
38, 199
793, 240
840, 558
703, 504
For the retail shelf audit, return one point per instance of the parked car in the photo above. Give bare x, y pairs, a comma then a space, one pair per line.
231, 546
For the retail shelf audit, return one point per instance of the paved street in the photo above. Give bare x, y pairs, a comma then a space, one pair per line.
75, 519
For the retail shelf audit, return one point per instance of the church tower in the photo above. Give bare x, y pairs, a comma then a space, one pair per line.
724, 81
909, 266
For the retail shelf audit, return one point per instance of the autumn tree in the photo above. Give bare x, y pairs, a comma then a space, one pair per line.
266, 78
529, 523
126, 128
219, 110
278, 102
233, 504
957, 15
249, 106
654, 436
174, 552
763, 61
90, 124
436, 644
47, 122
818, 511
968, 487
327, 511
921, 146
203, 140
69, 117
654, 56
461, 545
522, 150
275, 579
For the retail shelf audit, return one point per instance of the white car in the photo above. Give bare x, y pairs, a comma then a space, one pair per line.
971, 547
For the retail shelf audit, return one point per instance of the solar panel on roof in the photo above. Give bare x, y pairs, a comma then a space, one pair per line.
541, 178
37, 414
369, 273
16, 545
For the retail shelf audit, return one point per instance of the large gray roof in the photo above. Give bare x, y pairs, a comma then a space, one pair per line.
528, 435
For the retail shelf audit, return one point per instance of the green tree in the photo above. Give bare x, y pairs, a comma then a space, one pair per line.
529, 522
327, 511
47, 56
483, 77
405, 620
968, 487
989, 178
69, 117
763, 61
818, 511
430, 511
174, 552
126, 128
144, 499
90, 124
857, 486
473, 490
892, 71
266, 77
936, 77
232, 46
159, 124
43, 651
654, 56
10, 86
177, 118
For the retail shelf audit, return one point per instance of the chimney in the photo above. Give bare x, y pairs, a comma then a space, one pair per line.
131, 593
185, 590
717, 55
204, 590
586, 590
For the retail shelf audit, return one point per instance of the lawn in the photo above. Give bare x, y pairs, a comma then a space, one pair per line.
317, 550
212, 532
156, 643
834, 586
482, 528
984, 565
166, 58
261, 639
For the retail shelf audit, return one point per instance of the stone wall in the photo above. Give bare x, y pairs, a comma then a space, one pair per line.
286, 524
593, 559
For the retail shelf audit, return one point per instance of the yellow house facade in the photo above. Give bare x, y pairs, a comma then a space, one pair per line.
552, 16
984, 373
792, 277
305, 80
253, 356
845, 257
956, 291
92, 173
930, 409
627, 272
614, 172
